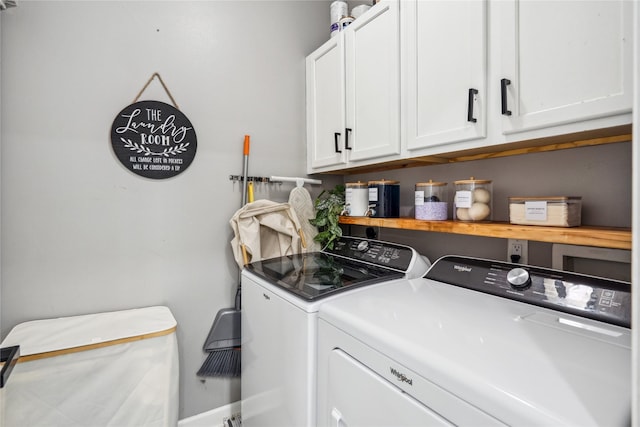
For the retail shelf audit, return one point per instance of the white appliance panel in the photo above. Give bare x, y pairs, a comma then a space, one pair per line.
522, 364
277, 359
435, 400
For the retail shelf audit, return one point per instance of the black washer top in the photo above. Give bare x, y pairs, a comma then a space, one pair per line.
317, 275
352, 262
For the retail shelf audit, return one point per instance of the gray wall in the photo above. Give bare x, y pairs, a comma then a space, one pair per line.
80, 233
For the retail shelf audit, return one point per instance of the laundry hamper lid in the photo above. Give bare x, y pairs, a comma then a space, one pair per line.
86, 331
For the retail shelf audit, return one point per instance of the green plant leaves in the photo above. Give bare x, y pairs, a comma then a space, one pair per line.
329, 205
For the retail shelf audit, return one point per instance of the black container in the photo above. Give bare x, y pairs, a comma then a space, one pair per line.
384, 199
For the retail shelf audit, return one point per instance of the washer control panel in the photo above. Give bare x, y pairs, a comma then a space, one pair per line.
385, 254
592, 297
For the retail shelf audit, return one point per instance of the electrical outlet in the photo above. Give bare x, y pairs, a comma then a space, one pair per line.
518, 248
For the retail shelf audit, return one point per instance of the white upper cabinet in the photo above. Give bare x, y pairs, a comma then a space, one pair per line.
353, 93
444, 58
563, 62
373, 82
326, 106
466, 74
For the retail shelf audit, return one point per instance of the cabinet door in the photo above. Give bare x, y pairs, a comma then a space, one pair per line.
445, 59
564, 61
373, 83
325, 105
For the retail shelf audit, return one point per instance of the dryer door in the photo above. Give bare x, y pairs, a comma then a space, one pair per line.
358, 396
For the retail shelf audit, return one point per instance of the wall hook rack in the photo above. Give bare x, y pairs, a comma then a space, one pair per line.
261, 179
299, 181
276, 180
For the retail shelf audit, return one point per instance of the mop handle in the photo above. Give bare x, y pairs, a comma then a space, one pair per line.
245, 169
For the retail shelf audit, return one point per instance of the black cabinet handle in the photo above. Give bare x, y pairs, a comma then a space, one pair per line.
346, 138
336, 135
472, 94
8, 358
503, 91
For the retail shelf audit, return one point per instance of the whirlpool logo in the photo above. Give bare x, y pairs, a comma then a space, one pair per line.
400, 376
462, 268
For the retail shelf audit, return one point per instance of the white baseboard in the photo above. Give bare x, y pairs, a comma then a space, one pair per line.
212, 418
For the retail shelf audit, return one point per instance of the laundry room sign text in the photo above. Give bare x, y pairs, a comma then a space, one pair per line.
153, 139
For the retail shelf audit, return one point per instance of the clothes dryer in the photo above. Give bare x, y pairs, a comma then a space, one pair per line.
478, 342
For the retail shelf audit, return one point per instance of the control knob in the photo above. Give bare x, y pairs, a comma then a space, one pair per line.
518, 278
363, 246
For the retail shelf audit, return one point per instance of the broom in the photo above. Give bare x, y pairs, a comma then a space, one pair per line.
224, 340
223, 344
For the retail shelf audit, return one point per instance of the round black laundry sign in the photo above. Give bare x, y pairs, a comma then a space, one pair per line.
153, 139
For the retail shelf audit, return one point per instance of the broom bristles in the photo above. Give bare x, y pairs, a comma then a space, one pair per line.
221, 363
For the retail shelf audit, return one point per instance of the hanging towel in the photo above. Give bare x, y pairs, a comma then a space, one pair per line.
301, 203
265, 229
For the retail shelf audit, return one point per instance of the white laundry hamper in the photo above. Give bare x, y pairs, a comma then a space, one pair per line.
106, 369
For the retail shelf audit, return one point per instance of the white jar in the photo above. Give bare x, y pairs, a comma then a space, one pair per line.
356, 198
473, 200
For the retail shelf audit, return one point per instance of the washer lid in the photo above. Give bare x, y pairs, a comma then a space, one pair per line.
316, 275
522, 364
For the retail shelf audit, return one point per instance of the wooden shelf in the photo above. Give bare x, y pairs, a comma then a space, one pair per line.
604, 237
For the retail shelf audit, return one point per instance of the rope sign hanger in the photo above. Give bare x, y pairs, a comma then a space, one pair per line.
153, 76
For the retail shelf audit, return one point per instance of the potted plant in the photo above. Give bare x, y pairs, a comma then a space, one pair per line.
329, 205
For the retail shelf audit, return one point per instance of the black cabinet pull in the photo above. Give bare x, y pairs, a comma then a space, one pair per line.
346, 138
472, 94
336, 135
503, 91
8, 358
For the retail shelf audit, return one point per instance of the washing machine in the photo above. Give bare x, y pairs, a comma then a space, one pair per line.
280, 301
478, 343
